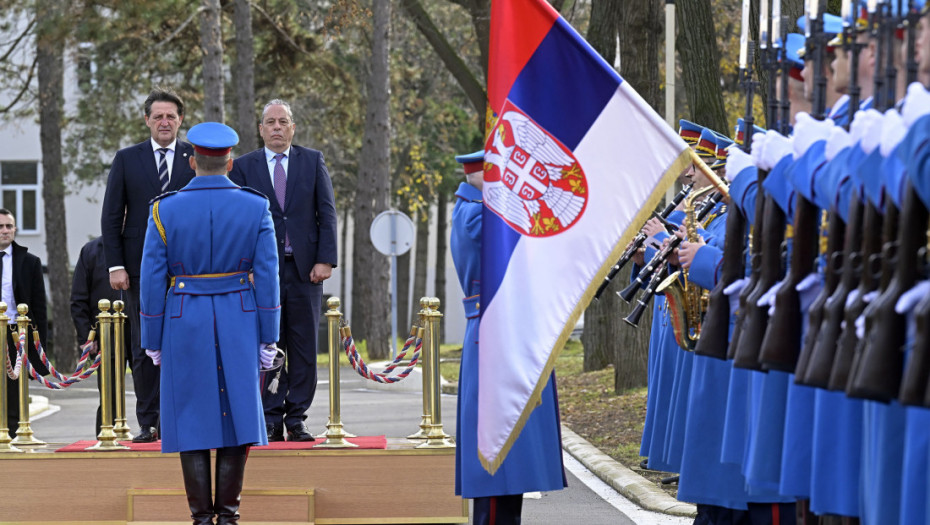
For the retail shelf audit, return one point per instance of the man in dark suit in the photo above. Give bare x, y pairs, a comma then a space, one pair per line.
20, 283
89, 284
296, 182
139, 174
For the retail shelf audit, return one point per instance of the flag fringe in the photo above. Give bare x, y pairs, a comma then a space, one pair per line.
535, 399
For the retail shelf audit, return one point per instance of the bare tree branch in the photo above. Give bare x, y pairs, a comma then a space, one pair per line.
22, 91
175, 33
16, 42
279, 29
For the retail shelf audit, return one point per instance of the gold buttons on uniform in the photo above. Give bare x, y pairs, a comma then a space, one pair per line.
180, 285
242, 281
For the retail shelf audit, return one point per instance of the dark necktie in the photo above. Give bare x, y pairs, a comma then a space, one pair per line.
280, 190
163, 168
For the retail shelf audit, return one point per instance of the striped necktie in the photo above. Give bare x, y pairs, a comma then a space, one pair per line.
163, 168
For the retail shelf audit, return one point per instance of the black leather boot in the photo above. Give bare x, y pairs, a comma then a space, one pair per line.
196, 467
230, 469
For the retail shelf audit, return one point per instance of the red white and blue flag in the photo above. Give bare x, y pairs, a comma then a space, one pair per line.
575, 161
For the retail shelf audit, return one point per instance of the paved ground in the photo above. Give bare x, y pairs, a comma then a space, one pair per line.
395, 410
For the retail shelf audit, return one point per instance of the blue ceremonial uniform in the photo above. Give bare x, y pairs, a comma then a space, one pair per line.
663, 353
535, 461
209, 328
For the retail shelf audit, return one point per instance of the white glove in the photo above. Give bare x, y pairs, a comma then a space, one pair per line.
838, 140
808, 130
871, 130
768, 298
777, 146
851, 298
758, 146
860, 327
893, 131
909, 299
732, 292
266, 354
737, 161
916, 103
155, 355
808, 290
860, 321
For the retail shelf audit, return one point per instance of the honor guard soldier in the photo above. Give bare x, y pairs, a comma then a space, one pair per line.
213, 330
663, 350
535, 461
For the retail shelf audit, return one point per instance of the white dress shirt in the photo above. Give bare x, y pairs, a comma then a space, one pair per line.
169, 155
270, 161
6, 290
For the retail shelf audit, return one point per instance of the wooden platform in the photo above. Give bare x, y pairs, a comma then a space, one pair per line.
400, 484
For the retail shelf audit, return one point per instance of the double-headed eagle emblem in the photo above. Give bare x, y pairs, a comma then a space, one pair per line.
539, 188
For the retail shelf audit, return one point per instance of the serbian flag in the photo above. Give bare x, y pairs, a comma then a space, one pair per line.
575, 162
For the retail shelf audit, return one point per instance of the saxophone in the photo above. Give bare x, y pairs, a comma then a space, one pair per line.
686, 302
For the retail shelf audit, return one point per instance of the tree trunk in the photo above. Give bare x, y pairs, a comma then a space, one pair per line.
420, 259
598, 337
370, 301
211, 41
442, 244
245, 78
700, 63
50, 64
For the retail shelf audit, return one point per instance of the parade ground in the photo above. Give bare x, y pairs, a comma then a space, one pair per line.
66, 416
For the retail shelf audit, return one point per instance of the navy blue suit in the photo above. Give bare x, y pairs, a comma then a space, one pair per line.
309, 218
131, 185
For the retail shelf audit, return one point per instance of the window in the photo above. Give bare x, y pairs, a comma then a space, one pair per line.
19, 181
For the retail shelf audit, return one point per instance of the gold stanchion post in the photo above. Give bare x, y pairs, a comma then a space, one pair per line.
120, 428
426, 420
335, 435
106, 440
5, 438
24, 435
436, 437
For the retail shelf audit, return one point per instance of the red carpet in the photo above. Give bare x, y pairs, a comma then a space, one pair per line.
363, 442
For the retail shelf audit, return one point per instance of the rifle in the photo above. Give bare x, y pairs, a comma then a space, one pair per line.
850, 261
755, 317
716, 326
755, 265
881, 361
851, 350
846, 345
917, 371
910, 21
638, 241
781, 344
815, 315
715, 330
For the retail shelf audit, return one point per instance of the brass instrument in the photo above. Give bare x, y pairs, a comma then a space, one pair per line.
686, 302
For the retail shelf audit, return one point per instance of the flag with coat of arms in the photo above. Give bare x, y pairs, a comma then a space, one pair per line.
575, 162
